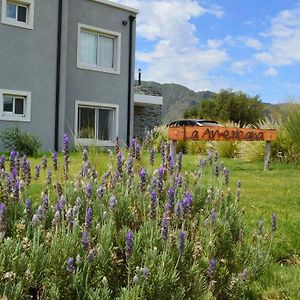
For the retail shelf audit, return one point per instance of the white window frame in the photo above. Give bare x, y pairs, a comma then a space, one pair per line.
30, 13
6, 116
96, 105
117, 49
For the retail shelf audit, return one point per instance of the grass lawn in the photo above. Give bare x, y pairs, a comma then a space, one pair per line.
263, 192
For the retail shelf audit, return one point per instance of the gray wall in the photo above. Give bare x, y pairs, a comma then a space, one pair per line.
93, 86
28, 63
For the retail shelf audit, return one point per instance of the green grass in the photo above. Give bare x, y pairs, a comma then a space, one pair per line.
262, 193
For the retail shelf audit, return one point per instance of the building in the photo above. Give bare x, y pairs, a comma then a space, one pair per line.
147, 110
67, 66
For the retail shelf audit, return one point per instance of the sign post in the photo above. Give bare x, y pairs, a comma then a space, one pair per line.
216, 133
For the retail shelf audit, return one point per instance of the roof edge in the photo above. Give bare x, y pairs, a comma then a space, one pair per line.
117, 5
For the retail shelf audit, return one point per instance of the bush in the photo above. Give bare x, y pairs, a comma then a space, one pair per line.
135, 233
24, 143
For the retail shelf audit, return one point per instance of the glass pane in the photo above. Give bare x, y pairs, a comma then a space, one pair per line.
88, 48
106, 52
22, 14
11, 10
8, 104
86, 123
105, 125
19, 106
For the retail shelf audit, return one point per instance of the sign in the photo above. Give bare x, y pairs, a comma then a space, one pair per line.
216, 133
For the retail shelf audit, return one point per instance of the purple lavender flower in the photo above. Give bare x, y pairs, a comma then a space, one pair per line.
12, 158
171, 193
238, 194
274, 222
88, 191
54, 160
85, 240
178, 210
138, 151
213, 217
216, 169
14, 173
132, 147
244, 274
260, 227
88, 218
160, 182
90, 256
164, 228
186, 204
136, 279
120, 162
178, 180
2, 162
16, 191
129, 243
85, 156
100, 192
203, 163
152, 156
113, 202
153, 205
44, 162
37, 171
70, 264
181, 241
226, 174
130, 166
143, 177
216, 156
94, 173
153, 183
209, 156
117, 145
49, 177
57, 218
211, 268
66, 155
179, 163
28, 207
145, 272
35, 220
171, 164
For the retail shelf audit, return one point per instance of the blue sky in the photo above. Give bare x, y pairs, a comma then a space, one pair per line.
252, 46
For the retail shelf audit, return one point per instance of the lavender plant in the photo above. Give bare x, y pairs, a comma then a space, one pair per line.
134, 233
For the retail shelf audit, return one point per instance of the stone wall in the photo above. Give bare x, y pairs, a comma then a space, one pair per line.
145, 118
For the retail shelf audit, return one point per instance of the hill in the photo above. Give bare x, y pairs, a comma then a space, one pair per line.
177, 98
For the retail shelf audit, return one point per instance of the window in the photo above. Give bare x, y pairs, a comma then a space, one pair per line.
15, 105
98, 49
18, 13
96, 123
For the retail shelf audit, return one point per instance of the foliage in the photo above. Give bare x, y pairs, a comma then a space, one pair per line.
134, 233
155, 138
25, 143
197, 147
232, 106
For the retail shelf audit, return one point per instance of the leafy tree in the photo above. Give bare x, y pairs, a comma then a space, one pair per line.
234, 106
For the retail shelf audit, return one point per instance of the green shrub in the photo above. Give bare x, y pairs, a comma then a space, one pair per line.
197, 147
24, 143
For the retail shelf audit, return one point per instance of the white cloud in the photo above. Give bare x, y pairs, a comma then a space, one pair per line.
270, 72
284, 34
251, 42
177, 55
241, 66
214, 43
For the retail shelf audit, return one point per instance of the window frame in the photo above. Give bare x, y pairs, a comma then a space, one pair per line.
7, 116
29, 4
96, 106
117, 49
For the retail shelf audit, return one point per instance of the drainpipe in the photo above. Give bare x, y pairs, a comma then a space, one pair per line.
58, 63
131, 21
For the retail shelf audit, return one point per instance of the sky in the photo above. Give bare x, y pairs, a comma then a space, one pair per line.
248, 45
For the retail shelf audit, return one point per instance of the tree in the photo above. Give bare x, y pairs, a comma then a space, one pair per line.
232, 106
